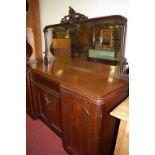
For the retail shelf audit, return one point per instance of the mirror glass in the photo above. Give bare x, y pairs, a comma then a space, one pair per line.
97, 40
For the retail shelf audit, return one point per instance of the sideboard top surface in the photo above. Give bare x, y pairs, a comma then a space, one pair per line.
87, 78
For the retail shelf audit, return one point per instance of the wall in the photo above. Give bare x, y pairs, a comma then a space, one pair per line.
52, 11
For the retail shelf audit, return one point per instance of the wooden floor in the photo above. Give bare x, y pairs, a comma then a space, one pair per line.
40, 140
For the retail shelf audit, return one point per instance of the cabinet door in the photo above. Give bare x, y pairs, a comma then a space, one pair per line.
80, 124
48, 106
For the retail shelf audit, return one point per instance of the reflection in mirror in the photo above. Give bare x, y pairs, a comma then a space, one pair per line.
99, 41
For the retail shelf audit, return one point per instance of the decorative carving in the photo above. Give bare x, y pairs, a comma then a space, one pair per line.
73, 17
46, 98
123, 70
123, 64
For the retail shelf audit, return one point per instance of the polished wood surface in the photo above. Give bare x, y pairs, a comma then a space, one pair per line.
81, 120
87, 78
46, 101
74, 98
122, 143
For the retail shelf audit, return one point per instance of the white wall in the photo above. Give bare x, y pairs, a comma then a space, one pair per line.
52, 11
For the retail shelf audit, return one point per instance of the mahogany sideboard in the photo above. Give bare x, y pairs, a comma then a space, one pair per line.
73, 97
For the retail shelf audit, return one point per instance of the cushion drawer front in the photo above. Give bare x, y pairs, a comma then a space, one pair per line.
46, 82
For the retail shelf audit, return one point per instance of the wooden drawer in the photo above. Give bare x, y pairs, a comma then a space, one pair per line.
45, 82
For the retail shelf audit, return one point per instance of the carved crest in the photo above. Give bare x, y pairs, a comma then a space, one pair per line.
73, 17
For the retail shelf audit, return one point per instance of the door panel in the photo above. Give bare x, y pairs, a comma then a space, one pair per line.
48, 105
80, 120
55, 112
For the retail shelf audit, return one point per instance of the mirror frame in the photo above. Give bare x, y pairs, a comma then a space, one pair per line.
75, 18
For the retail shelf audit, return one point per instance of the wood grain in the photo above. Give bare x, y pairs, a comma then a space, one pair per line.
122, 110
122, 143
86, 78
33, 25
74, 98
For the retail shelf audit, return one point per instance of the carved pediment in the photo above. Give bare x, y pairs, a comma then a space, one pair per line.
73, 17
